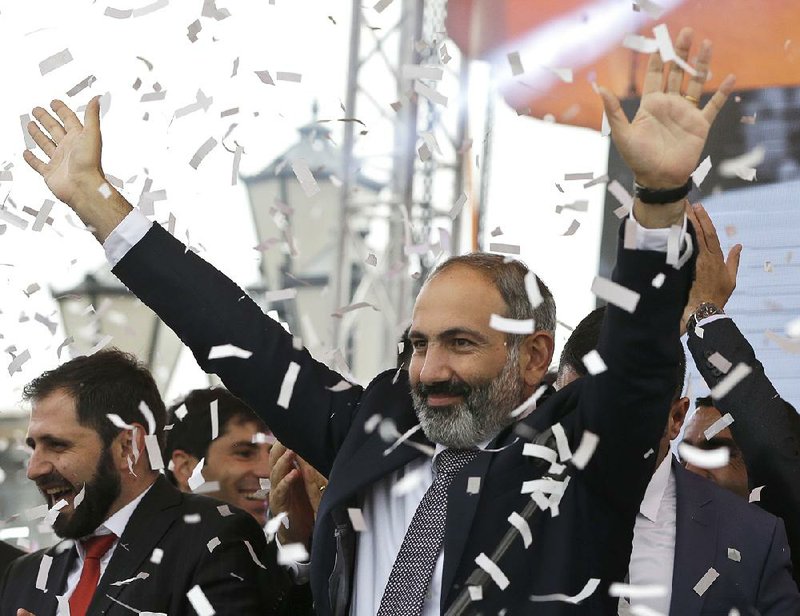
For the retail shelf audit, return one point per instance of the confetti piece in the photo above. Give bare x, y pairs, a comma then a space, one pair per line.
655, 11
228, 350
150, 97
265, 77
637, 591
342, 386
202, 152
13, 219
210, 10
150, 8
629, 241
237, 159
350, 307
458, 205
55, 61
409, 481
585, 449
429, 93
357, 519
719, 362
614, 293
516, 63
658, 280
81, 85
153, 452
564, 74
201, 102
587, 175
528, 405
639, 43
573, 227
562, 443
605, 126
148, 415
588, 589
287, 386
475, 593
521, 524
105, 190
734, 555
292, 553
199, 602
509, 249
253, 554
214, 411
593, 362
142, 575
704, 458
706, 581
788, 345
44, 571
511, 326
618, 191
542, 452
118, 421
755, 494
485, 563
286, 76
100, 344
473, 485
274, 523
730, 381
17, 363
192, 518
196, 479
305, 177
381, 5
743, 165
699, 174
53, 512
718, 426
371, 260
667, 51
156, 556
545, 486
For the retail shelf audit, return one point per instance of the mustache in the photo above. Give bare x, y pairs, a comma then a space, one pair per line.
52, 480
447, 388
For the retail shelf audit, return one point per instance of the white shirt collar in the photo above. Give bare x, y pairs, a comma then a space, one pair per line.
482, 445
654, 493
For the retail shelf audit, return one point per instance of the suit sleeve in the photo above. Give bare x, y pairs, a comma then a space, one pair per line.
766, 427
777, 593
230, 578
206, 309
627, 405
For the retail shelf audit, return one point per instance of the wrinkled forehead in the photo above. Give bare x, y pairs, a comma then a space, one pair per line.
458, 290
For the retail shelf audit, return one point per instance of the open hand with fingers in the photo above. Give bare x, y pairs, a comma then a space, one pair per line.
715, 276
663, 143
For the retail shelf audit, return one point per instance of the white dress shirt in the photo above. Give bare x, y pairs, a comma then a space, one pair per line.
115, 524
387, 516
653, 554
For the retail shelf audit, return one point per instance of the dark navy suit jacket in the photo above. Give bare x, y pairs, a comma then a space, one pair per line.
711, 521
591, 538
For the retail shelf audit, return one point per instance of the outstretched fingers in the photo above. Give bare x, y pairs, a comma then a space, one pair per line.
682, 45
91, 116
694, 89
616, 117
39, 166
66, 115
732, 262
43, 141
709, 231
53, 127
654, 77
717, 102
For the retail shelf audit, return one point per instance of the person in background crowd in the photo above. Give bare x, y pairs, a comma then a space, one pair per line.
215, 427
132, 541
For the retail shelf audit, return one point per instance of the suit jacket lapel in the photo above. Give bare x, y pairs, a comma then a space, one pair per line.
60, 568
145, 528
695, 542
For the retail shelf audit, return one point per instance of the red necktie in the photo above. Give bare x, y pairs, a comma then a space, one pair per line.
95, 548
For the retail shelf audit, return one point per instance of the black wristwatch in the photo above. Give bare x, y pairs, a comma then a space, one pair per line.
660, 196
704, 310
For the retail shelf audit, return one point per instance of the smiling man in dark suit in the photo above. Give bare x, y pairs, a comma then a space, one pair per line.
423, 543
131, 540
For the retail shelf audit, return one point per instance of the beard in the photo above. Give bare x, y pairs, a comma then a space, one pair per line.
484, 412
101, 491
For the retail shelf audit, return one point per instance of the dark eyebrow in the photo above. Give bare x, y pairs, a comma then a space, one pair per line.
247, 444
453, 332
49, 440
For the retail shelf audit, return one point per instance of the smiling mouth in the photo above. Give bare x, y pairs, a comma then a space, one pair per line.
258, 495
57, 493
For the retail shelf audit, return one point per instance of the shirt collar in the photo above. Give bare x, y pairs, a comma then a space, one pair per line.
654, 493
482, 445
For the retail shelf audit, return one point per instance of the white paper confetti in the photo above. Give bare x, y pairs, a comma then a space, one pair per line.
13, 219
350, 307
214, 411
658, 280
199, 602
292, 553
228, 350
511, 326
734, 555
706, 581
755, 494
156, 556
564, 74
618, 191
432, 95
202, 152
485, 563
614, 293
639, 43
509, 249
416, 71
594, 363
699, 174
381, 5
305, 177
521, 524
409, 481
475, 593
79, 497
637, 591
153, 452
142, 575
562, 443
55, 61
516, 63
18, 361
473, 485
587, 591
287, 386
196, 479
357, 519
118, 421
253, 554
718, 426
585, 449
44, 571
743, 166
731, 380
667, 51
573, 227
704, 458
